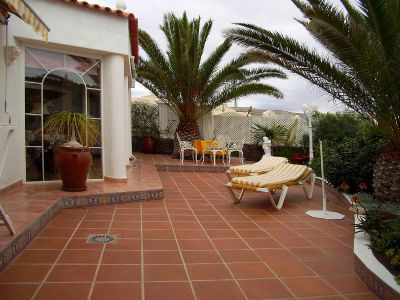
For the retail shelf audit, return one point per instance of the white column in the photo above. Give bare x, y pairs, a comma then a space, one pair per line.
128, 121
114, 117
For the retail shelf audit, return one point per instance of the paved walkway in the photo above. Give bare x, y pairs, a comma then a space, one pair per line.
194, 244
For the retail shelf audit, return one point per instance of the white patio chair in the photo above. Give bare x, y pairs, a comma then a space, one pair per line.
186, 145
235, 147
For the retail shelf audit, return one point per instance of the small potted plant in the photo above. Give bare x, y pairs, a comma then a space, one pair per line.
76, 133
145, 125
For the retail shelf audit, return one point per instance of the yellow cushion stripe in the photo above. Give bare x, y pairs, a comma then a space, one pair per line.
266, 164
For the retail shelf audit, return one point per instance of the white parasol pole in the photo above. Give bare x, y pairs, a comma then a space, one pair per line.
324, 214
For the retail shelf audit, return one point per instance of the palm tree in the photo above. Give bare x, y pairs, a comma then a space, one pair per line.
361, 67
191, 85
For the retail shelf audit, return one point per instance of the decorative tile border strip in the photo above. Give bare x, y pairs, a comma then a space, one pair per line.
373, 282
24, 237
191, 169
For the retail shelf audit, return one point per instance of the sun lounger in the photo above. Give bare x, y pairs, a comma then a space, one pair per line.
266, 164
280, 178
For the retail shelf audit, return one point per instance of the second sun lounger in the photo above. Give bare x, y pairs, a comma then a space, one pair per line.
280, 178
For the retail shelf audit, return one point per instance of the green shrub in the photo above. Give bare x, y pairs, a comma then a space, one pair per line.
351, 148
144, 120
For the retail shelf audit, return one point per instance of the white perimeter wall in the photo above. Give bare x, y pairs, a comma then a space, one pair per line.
74, 30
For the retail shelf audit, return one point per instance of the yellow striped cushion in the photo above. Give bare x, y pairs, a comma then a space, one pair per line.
266, 164
281, 174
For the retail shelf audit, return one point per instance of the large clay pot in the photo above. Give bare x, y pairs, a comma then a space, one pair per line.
149, 145
73, 164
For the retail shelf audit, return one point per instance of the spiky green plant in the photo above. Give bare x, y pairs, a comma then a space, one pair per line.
62, 124
360, 69
191, 84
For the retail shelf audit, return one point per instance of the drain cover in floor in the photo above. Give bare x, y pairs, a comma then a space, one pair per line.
101, 238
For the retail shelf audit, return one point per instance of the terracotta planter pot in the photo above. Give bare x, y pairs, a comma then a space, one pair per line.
149, 145
73, 164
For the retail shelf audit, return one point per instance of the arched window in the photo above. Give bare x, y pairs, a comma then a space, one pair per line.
57, 82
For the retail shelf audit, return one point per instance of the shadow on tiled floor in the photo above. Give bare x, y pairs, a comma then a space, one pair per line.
194, 244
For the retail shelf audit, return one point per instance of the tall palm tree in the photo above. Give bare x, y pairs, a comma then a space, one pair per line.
190, 84
361, 67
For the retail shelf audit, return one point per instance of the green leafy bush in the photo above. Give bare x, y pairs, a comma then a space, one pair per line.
351, 148
144, 120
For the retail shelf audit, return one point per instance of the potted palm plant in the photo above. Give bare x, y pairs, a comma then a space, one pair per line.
76, 133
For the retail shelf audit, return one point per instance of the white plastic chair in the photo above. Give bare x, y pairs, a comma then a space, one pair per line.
235, 147
186, 145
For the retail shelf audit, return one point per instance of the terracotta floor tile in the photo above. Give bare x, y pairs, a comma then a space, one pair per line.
215, 225
162, 257
95, 224
243, 225
24, 273
309, 287
290, 269
98, 217
329, 267
309, 253
85, 232
160, 245
264, 289
250, 270
195, 245
129, 218
118, 291
168, 291
64, 223
208, 272
121, 257
126, 225
273, 255
196, 257
190, 234
124, 244
83, 244
126, 233
339, 252
48, 243
222, 234
157, 225
119, 273
72, 273
186, 225
80, 257
37, 256
155, 218
347, 284
252, 233
157, 234
239, 256
56, 232
366, 296
261, 243
17, 291
230, 244
64, 291
164, 273
217, 290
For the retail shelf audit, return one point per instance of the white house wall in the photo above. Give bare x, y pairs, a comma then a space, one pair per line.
76, 27
77, 31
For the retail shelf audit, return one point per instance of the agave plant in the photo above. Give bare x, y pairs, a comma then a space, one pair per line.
361, 68
193, 85
67, 126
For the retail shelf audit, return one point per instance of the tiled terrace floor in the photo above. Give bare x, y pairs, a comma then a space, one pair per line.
194, 244
24, 203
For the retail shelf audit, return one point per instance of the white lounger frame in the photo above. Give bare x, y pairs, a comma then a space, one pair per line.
285, 189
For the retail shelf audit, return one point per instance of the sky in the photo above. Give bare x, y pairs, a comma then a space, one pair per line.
276, 15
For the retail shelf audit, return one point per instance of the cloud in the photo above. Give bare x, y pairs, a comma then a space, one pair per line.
276, 15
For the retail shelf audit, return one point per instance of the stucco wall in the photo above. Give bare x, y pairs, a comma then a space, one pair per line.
74, 30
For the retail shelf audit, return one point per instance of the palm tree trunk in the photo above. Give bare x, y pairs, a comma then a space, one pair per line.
188, 131
387, 177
